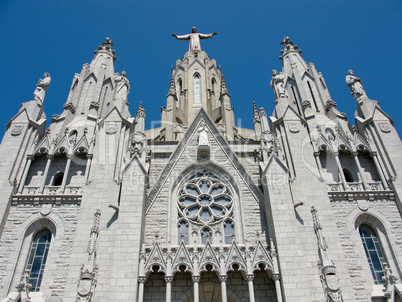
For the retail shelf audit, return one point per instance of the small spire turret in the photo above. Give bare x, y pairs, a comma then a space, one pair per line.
224, 87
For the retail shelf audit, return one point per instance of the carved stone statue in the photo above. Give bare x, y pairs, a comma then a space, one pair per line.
355, 85
194, 37
278, 84
122, 86
41, 87
203, 137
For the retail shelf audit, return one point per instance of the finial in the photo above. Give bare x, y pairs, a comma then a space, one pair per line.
172, 86
256, 116
140, 111
288, 46
224, 88
107, 46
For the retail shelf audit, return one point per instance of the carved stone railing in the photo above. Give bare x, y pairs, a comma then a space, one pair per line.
52, 190
354, 186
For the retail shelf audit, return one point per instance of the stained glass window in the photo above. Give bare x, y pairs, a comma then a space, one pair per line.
197, 89
373, 251
37, 258
204, 205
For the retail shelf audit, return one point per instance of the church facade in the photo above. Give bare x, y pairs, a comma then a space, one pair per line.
304, 207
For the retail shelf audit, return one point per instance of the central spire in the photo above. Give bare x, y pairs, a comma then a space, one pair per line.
194, 37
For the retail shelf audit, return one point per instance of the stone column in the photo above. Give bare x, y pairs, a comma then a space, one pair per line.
48, 163
169, 280
379, 171
88, 167
318, 162
250, 279
196, 281
359, 168
338, 163
141, 281
223, 279
277, 277
30, 159
66, 170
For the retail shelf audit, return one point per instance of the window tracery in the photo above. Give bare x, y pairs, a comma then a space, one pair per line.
373, 249
197, 89
205, 205
37, 258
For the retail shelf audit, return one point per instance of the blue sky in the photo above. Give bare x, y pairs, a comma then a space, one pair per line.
60, 36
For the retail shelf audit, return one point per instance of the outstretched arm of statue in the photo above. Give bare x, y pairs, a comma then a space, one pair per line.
183, 37
207, 36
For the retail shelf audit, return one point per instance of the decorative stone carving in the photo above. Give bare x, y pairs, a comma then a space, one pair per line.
24, 286
17, 130
41, 88
46, 209
385, 127
327, 269
203, 143
89, 269
70, 106
390, 280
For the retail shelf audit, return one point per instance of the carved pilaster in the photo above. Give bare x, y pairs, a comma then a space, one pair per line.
89, 269
327, 269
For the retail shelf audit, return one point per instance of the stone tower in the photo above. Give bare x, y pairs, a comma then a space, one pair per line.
304, 207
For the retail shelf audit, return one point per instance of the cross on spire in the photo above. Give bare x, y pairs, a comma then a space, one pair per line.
107, 45
288, 46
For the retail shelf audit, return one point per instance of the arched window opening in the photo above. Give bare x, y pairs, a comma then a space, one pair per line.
329, 134
58, 179
183, 231
229, 231
213, 82
37, 258
180, 85
373, 249
197, 89
206, 233
348, 175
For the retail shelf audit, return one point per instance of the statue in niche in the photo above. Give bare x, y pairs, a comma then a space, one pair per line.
355, 85
122, 86
41, 87
278, 84
203, 137
194, 37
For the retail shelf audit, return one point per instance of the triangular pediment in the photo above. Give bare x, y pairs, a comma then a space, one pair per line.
43, 146
218, 144
155, 258
114, 115
195, 61
182, 258
235, 257
63, 146
82, 145
261, 256
274, 159
208, 257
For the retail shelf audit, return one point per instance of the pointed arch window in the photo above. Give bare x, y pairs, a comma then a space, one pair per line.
37, 257
197, 89
374, 253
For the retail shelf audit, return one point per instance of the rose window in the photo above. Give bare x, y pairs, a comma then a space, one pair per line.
204, 201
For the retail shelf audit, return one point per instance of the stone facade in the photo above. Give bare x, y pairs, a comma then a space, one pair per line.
304, 207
